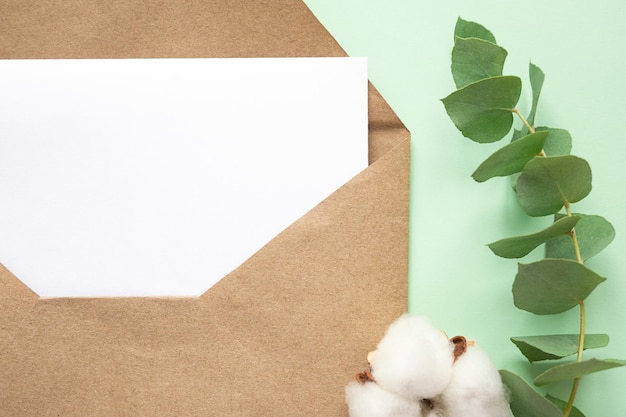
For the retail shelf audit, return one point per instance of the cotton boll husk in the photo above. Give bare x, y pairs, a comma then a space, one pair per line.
414, 359
437, 412
370, 400
475, 389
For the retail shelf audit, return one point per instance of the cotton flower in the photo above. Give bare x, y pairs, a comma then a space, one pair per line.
417, 371
370, 400
475, 389
414, 359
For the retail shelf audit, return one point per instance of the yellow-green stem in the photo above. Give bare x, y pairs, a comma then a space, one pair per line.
581, 345
573, 235
581, 335
530, 128
572, 396
581, 338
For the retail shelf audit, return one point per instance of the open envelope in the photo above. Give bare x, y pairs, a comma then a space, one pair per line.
279, 336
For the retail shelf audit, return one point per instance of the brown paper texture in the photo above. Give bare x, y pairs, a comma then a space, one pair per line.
279, 336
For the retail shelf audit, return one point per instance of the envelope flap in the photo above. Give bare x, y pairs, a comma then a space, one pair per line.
160, 28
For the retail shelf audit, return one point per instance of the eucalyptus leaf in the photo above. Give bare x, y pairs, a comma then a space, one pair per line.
519, 246
575, 370
513, 181
536, 83
482, 111
537, 78
524, 400
554, 144
511, 158
546, 184
575, 412
549, 347
558, 142
474, 59
594, 233
519, 133
468, 29
552, 286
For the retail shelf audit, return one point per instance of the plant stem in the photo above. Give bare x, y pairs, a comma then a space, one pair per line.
581, 339
572, 396
530, 128
581, 335
579, 358
573, 235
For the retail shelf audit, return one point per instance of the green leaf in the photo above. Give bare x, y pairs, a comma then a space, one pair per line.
474, 59
552, 286
546, 184
467, 29
540, 348
575, 370
594, 233
558, 142
575, 412
511, 158
524, 400
536, 83
519, 133
482, 111
519, 246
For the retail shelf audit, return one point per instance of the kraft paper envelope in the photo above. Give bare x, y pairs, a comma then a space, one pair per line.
279, 336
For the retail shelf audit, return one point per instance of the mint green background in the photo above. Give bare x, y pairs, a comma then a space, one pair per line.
454, 278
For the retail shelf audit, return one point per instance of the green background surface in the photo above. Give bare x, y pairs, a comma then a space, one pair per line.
454, 278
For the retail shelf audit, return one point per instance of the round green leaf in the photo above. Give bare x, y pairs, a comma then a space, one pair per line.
524, 400
553, 286
546, 184
482, 111
575, 370
474, 59
562, 405
519, 246
558, 142
511, 158
594, 233
467, 29
540, 348
537, 77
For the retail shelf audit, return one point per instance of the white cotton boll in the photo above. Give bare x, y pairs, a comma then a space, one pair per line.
476, 389
414, 359
370, 400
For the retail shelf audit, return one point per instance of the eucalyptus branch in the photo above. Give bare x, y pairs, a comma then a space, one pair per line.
482, 108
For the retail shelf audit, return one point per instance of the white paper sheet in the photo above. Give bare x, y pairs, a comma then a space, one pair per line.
157, 177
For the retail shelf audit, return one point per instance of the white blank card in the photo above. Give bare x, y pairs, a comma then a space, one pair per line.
157, 177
